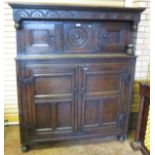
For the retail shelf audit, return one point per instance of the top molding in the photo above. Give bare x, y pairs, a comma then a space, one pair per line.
41, 12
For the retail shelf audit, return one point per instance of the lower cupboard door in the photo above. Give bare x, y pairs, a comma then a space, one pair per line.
103, 101
50, 100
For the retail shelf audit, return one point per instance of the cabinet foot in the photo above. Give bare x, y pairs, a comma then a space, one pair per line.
25, 148
121, 138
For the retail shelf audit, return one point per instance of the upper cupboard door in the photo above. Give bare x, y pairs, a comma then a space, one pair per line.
40, 37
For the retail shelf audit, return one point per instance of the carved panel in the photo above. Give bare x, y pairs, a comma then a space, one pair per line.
70, 37
77, 37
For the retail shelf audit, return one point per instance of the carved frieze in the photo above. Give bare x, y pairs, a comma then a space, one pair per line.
20, 14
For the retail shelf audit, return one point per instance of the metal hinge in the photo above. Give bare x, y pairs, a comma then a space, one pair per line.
21, 113
121, 119
28, 126
127, 77
24, 80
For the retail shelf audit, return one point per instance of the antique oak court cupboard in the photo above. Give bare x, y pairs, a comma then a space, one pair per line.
75, 67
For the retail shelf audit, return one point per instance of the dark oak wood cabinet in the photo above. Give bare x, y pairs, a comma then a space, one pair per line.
75, 67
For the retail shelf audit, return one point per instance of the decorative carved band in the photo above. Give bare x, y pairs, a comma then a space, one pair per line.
20, 14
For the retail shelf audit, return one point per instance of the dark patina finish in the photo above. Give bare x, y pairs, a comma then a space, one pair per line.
75, 67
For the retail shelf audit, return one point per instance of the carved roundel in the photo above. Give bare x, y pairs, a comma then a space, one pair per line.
77, 37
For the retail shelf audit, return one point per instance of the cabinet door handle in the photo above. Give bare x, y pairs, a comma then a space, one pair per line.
52, 35
75, 89
85, 68
83, 89
104, 36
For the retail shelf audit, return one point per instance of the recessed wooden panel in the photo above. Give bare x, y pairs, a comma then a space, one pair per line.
42, 39
102, 82
39, 38
116, 30
91, 114
43, 113
115, 37
64, 114
110, 110
53, 85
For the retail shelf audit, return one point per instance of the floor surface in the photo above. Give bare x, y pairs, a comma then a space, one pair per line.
95, 146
